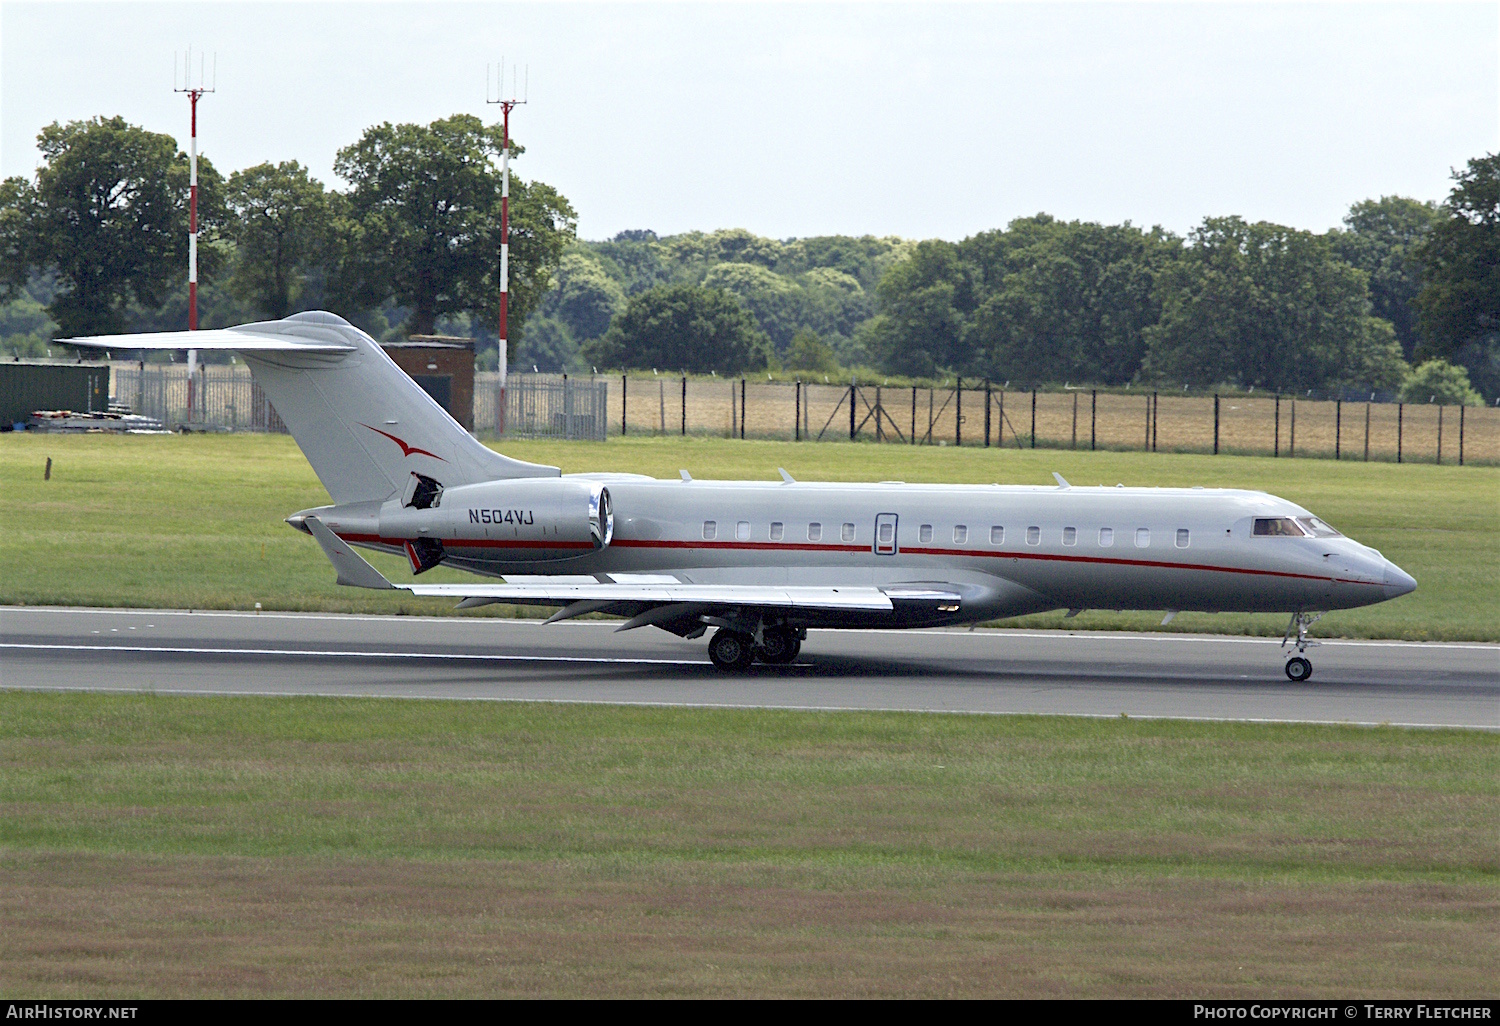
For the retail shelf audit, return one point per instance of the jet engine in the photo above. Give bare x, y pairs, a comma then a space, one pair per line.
539, 518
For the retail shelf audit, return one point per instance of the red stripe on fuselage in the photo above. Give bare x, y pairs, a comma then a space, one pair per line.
854, 549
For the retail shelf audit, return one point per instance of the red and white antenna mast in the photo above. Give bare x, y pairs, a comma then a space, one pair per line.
194, 93
506, 106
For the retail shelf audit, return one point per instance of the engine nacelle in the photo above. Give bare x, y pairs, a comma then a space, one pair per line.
538, 518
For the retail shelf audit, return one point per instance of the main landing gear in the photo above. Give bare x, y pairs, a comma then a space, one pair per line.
736, 650
1298, 667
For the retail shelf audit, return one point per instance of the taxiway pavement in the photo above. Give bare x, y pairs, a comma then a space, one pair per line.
1187, 676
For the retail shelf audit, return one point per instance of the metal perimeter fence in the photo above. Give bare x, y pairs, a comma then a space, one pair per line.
960, 415
564, 407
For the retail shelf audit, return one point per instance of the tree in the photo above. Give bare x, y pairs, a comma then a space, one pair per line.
923, 300
1459, 305
1438, 381
1380, 238
1066, 300
810, 353
280, 228
585, 298
1269, 306
425, 207
108, 215
774, 301
682, 327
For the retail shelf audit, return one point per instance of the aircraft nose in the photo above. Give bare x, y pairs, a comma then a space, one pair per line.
1397, 581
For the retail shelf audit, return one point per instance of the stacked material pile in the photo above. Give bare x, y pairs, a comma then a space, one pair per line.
70, 421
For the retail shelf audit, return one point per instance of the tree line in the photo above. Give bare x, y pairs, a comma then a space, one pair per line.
1406, 294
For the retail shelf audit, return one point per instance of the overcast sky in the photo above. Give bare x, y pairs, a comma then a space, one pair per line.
797, 119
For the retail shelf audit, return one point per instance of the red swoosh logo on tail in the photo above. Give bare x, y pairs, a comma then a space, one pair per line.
406, 450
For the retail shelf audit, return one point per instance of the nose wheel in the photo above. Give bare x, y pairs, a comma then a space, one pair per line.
1298, 667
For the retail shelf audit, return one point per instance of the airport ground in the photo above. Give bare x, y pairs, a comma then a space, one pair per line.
160, 845
185, 845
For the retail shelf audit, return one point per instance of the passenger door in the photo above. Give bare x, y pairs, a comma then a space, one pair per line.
885, 534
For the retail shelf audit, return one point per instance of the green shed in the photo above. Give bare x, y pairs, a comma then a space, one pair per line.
24, 387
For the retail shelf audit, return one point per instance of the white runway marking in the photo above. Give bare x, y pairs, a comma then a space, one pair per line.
354, 654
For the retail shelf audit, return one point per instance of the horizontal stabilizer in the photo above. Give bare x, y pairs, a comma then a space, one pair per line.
220, 339
351, 566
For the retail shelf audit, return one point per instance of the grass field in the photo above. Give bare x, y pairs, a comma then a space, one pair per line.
195, 521
169, 846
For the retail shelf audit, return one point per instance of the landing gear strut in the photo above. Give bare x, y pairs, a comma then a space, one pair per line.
1298, 667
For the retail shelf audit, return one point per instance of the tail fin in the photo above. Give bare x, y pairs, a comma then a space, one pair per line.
363, 424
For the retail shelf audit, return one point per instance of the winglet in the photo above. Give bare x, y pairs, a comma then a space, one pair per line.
1061, 481
351, 567
785, 477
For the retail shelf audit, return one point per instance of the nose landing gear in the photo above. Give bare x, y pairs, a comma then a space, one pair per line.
1298, 667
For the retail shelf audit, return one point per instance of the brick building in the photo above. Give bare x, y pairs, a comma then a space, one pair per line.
444, 367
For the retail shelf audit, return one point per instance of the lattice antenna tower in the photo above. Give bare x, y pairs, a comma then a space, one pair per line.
516, 99
206, 84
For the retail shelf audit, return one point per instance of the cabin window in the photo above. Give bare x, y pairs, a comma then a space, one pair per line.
848, 532
709, 530
1143, 537
997, 536
1106, 537
1284, 527
924, 533
1033, 536
1312, 525
814, 532
887, 530
1070, 536
960, 534
1182, 537
742, 531
776, 530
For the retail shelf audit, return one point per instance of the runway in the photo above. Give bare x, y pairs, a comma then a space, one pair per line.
1083, 673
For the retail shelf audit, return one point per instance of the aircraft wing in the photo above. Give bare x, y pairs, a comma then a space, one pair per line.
640, 598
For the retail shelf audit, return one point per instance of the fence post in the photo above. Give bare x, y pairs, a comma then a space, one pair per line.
1291, 444
1074, 443
1216, 423
684, 406
1440, 436
1400, 416
1338, 426
742, 409
797, 414
1033, 418
986, 413
914, 415
1367, 432
851, 411
1093, 416
1460, 436
958, 413
624, 388
1155, 406
1000, 439
1276, 445
879, 427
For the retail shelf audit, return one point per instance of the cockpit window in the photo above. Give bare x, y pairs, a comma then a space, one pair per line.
1284, 527
1316, 528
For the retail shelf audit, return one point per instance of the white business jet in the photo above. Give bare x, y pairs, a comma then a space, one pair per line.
759, 562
